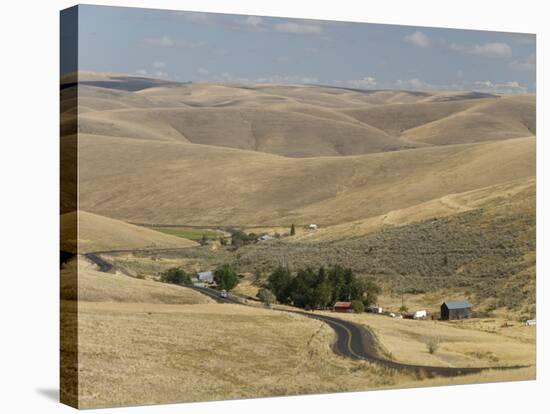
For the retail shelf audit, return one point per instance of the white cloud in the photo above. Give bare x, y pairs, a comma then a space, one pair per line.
529, 63
194, 17
366, 82
457, 47
499, 87
283, 59
161, 74
166, 41
418, 39
203, 71
414, 83
252, 21
312, 50
142, 72
287, 79
497, 49
159, 65
299, 28
163, 41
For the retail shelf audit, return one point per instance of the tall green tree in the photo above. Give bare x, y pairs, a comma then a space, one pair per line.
292, 230
176, 276
266, 296
279, 283
225, 277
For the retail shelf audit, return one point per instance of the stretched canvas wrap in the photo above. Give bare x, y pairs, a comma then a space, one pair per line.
258, 206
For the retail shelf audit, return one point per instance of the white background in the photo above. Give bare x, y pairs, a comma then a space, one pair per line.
29, 204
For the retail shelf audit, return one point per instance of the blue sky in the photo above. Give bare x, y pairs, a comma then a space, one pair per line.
207, 47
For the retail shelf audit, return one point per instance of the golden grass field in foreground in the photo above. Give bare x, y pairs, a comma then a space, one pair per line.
136, 346
472, 343
95, 286
150, 353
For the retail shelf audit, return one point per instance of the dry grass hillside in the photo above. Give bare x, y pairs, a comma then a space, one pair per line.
265, 353
95, 286
429, 194
276, 131
448, 205
98, 233
178, 183
235, 154
294, 120
486, 252
508, 117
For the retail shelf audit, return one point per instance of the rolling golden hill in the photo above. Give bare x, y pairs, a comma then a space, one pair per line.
295, 120
160, 152
179, 183
97, 233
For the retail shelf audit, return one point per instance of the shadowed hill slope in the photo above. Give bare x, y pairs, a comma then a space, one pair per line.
294, 120
507, 117
161, 182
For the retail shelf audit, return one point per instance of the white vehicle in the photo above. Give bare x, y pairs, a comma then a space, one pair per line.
375, 309
223, 294
420, 314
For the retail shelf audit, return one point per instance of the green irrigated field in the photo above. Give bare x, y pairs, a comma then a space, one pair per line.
189, 233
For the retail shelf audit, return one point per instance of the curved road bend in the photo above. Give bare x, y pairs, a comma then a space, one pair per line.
105, 266
356, 341
353, 340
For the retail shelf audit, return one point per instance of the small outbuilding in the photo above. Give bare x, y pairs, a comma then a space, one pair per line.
312, 227
343, 307
205, 277
456, 309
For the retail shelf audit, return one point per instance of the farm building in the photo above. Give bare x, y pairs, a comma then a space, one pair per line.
312, 227
207, 277
456, 309
343, 307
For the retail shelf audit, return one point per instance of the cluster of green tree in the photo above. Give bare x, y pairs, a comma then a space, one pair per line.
240, 238
311, 289
176, 276
225, 277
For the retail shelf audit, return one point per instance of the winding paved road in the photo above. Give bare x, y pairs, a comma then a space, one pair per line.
353, 340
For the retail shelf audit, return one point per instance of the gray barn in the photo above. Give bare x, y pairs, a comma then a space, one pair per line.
456, 309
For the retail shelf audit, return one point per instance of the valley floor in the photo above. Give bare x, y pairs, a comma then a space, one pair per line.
143, 344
